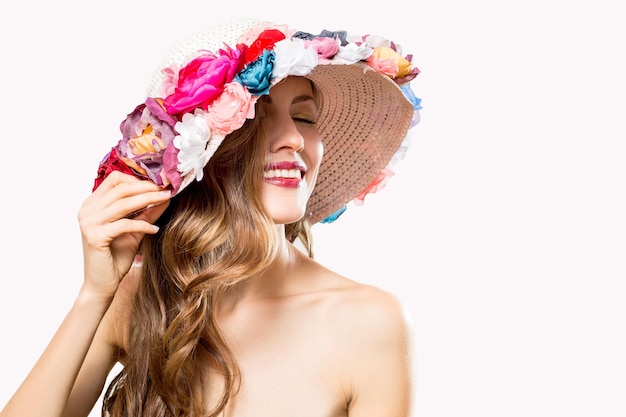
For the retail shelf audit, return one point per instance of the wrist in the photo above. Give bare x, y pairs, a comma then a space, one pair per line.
90, 297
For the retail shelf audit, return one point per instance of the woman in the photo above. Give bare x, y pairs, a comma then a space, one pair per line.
199, 271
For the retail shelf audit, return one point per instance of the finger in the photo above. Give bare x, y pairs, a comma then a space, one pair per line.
117, 186
107, 233
124, 226
131, 206
112, 207
114, 179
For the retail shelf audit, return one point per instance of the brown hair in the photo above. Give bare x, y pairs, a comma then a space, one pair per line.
213, 234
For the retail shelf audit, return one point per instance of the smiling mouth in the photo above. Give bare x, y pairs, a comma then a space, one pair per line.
283, 173
284, 169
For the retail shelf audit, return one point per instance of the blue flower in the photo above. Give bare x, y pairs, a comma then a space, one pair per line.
257, 76
335, 215
408, 93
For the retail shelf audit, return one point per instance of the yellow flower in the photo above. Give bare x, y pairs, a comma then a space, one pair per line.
148, 142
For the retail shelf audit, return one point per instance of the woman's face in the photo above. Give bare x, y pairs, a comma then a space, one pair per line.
289, 121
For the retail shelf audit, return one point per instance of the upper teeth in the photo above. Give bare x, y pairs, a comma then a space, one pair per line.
283, 173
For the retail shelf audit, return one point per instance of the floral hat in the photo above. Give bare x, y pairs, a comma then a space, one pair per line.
209, 83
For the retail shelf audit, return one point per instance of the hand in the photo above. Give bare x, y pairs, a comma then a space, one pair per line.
113, 221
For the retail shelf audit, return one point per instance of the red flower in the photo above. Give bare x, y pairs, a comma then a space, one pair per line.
266, 40
111, 163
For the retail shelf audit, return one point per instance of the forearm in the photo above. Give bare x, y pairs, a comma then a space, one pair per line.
47, 387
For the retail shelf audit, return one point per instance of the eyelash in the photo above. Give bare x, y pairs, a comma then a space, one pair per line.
304, 120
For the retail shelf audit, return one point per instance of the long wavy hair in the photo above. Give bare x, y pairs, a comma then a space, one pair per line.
214, 234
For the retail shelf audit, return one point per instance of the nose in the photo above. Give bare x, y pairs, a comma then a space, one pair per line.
284, 134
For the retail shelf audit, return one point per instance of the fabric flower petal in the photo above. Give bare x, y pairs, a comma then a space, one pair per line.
293, 58
230, 110
191, 141
378, 184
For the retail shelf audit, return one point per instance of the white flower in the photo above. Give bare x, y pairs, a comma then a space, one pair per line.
375, 41
192, 142
352, 53
293, 58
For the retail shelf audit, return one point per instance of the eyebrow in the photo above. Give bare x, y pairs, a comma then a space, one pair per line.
295, 100
305, 98
300, 99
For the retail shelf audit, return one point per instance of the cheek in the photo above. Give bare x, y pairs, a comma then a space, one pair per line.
316, 148
315, 161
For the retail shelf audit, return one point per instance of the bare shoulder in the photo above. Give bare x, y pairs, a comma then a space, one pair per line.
371, 331
359, 313
370, 315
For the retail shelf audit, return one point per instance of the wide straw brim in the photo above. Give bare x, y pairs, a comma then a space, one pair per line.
364, 117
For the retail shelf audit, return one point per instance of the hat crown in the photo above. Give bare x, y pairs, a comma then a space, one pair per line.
207, 38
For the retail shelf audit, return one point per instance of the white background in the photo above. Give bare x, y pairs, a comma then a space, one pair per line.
503, 231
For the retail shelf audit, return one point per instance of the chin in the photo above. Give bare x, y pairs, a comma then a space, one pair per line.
285, 210
286, 219
282, 216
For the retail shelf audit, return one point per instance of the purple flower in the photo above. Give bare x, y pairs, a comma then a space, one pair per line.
146, 133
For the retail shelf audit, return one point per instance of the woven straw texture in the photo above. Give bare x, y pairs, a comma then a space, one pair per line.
363, 121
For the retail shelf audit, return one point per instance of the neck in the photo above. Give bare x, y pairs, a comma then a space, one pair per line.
277, 280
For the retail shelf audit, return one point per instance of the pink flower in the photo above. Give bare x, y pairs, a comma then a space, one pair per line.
326, 47
170, 81
384, 66
378, 184
203, 79
170, 168
408, 77
230, 110
386, 58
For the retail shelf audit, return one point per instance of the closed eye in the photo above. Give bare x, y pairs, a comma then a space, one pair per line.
304, 119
